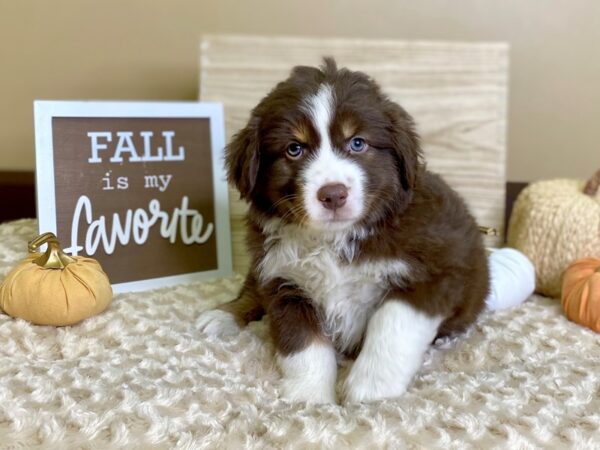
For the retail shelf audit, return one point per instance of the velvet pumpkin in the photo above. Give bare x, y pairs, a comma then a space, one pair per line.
54, 288
581, 293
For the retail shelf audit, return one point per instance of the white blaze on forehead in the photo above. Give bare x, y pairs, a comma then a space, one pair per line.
320, 108
328, 167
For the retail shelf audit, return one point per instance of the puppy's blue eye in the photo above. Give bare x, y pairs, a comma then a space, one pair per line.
294, 150
357, 144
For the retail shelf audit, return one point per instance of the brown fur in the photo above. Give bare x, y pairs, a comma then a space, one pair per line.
412, 214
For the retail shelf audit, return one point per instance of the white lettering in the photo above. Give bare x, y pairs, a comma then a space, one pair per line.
122, 183
161, 182
164, 180
148, 156
169, 156
96, 146
107, 186
150, 181
125, 145
137, 224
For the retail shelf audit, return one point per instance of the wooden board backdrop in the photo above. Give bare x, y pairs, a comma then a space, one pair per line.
457, 93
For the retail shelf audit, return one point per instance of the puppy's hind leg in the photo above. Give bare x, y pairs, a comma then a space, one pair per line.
226, 319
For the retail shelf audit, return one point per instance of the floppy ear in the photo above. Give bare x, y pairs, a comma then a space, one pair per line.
242, 157
406, 145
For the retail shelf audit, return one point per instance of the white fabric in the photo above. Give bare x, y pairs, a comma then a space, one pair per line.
512, 278
140, 375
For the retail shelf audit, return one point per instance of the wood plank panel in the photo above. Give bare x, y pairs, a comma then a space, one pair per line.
457, 93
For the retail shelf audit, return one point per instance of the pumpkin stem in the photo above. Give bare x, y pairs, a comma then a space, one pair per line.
591, 187
54, 257
488, 231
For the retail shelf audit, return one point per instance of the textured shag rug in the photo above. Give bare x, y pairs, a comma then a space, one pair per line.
141, 376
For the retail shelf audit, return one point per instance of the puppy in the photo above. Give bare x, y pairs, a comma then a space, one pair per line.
356, 247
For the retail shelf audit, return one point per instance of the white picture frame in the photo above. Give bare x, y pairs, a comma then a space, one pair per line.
44, 113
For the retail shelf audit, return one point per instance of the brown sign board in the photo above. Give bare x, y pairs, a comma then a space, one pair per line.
138, 186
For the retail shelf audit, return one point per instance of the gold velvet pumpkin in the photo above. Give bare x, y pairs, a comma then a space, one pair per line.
581, 293
54, 288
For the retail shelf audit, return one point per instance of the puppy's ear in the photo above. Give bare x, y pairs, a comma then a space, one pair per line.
406, 144
242, 157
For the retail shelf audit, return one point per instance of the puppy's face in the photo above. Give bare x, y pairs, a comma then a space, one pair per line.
327, 150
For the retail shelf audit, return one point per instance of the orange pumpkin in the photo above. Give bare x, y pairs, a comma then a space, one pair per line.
581, 293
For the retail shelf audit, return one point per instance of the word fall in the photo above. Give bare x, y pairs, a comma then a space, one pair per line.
99, 141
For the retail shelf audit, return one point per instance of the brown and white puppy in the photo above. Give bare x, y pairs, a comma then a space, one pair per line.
356, 248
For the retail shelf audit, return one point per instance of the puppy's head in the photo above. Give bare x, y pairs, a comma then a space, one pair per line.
326, 149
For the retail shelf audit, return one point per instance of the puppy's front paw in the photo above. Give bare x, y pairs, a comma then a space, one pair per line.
216, 322
309, 375
299, 390
364, 385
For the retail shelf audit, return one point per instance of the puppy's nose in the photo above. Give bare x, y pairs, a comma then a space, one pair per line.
333, 196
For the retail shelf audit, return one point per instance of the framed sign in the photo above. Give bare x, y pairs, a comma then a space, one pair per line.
139, 186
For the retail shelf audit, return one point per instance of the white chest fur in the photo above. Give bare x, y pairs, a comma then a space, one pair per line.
348, 293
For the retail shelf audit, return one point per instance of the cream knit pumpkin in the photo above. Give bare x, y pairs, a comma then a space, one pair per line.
554, 223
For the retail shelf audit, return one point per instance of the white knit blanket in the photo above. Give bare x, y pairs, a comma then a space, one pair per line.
141, 376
